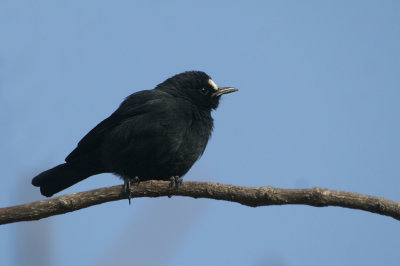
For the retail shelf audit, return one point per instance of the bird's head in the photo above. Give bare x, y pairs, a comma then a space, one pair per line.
197, 87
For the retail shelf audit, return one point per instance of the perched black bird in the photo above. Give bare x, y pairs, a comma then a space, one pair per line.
154, 135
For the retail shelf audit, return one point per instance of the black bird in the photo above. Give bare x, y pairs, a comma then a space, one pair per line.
154, 135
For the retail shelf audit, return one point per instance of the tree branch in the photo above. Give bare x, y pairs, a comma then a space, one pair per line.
253, 197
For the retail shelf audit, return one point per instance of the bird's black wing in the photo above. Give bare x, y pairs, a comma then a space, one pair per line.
148, 143
134, 105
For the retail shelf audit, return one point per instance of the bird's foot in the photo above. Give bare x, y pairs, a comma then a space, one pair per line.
175, 181
136, 180
127, 186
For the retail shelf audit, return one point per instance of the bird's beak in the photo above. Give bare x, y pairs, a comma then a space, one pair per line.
221, 91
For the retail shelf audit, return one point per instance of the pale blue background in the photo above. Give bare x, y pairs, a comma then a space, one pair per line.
318, 106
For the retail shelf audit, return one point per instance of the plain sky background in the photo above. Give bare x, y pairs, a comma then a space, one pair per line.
319, 105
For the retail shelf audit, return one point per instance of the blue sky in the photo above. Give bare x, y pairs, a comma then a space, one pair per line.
318, 105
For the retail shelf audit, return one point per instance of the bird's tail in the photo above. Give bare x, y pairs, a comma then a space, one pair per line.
61, 177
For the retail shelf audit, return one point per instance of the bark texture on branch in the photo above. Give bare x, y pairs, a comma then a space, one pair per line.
253, 197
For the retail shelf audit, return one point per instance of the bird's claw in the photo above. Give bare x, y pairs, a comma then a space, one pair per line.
175, 181
127, 186
178, 181
136, 180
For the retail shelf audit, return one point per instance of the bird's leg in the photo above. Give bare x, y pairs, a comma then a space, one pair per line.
136, 180
175, 181
178, 181
127, 186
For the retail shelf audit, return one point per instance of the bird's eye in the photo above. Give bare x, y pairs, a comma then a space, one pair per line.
203, 91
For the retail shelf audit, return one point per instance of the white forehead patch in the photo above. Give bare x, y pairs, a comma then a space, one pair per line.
212, 83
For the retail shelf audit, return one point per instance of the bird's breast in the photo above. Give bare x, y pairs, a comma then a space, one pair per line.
194, 141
